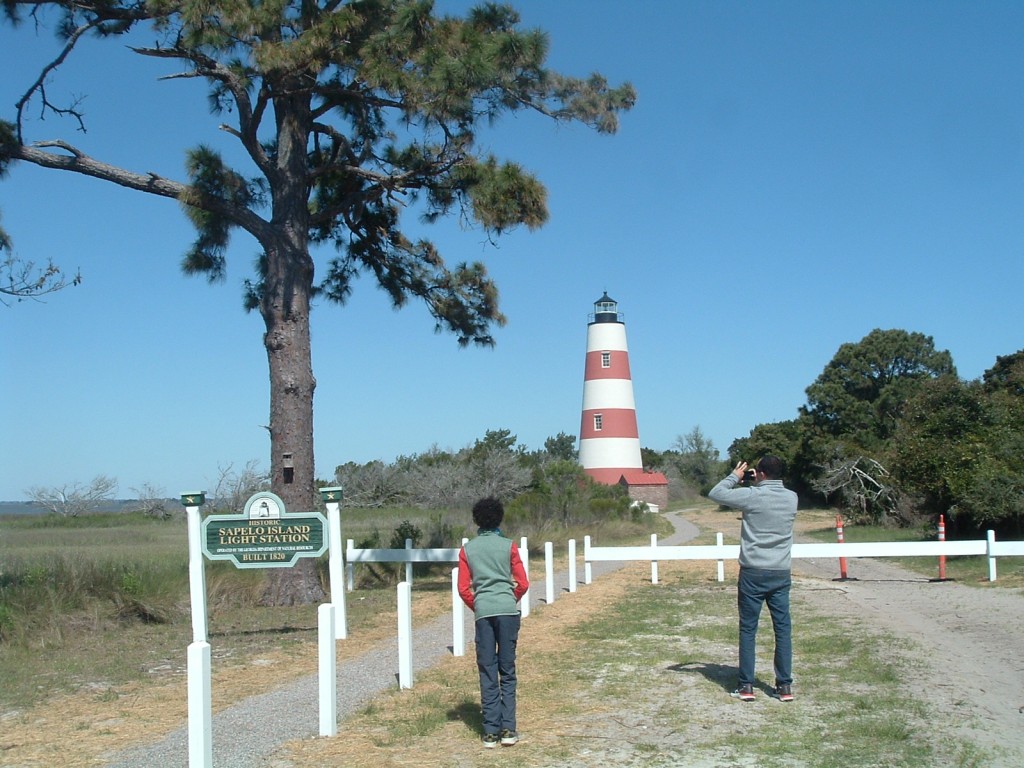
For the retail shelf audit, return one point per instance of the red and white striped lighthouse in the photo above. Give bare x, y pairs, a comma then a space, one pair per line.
609, 440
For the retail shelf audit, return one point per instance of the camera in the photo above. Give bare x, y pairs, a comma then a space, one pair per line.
748, 477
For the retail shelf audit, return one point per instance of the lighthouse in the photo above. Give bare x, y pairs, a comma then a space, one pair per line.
609, 440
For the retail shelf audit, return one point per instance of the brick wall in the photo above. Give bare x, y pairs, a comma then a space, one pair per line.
651, 494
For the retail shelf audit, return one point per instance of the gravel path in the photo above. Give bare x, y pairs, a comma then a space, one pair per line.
971, 658
247, 734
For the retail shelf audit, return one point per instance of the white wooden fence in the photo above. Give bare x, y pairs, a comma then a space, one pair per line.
653, 553
987, 547
409, 556
720, 552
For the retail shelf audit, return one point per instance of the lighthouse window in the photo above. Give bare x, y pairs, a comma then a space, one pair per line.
598, 419
606, 359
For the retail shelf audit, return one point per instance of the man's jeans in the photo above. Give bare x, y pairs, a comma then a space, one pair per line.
496, 638
757, 586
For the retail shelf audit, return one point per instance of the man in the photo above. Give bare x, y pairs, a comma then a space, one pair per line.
766, 539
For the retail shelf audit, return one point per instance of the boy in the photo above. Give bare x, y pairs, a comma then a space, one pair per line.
492, 580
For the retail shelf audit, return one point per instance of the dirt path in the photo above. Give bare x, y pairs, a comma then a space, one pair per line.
970, 638
965, 657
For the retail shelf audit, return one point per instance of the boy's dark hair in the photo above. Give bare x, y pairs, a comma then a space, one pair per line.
488, 513
772, 466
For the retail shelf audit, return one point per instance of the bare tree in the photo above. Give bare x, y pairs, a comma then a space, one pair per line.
25, 280
152, 501
374, 484
436, 483
863, 486
233, 488
72, 500
495, 472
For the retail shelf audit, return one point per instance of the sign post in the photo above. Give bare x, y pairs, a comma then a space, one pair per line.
264, 536
335, 559
198, 671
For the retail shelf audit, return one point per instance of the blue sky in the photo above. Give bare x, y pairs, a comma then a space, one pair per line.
794, 175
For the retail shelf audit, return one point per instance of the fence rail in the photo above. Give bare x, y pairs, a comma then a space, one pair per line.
653, 553
450, 555
987, 547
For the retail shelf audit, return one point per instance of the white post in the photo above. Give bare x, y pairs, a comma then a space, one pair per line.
408, 563
196, 575
572, 565
720, 541
654, 563
350, 568
549, 572
328, 667
458, 618
588, 573
335, 567
200, 706
989, 546
524, 555
405, 635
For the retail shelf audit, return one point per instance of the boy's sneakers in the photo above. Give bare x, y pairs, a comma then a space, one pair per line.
491, 740
509, 738
744, 693
784, 692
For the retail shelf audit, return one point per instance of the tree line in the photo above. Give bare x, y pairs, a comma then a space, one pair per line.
543, 489
891, 434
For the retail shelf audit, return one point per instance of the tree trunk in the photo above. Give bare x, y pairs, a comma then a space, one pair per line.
285, 304
285, 310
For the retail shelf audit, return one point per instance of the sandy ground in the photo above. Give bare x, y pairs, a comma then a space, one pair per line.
964, 654
971, 637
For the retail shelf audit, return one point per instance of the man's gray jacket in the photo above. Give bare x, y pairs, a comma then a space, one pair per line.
769, 510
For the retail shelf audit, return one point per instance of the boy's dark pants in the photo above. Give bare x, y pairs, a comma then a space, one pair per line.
496, 638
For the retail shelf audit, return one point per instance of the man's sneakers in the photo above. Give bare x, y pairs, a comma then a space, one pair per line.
506, 738
744, 693
509, 738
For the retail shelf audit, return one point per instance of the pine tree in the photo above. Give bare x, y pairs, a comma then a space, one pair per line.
350, 111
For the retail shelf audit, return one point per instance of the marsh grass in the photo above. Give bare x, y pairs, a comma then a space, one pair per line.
103, 600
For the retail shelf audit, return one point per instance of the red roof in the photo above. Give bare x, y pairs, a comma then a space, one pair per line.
629, 476
643, 477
